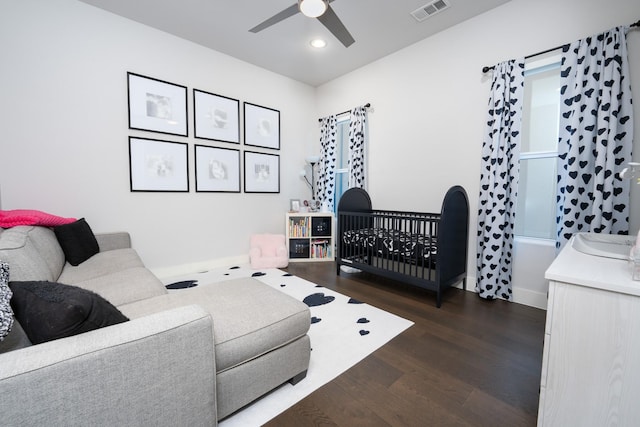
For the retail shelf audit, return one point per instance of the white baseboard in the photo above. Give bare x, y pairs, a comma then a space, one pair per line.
178, 270
520, 295
530, 298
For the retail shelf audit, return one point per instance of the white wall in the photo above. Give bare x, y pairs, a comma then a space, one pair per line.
64, 133
429, 101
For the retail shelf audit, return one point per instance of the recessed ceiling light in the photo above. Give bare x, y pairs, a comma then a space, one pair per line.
318, 43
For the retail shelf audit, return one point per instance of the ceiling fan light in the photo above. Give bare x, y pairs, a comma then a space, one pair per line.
312, 8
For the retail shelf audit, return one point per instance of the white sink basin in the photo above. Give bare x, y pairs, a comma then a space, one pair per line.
604, 245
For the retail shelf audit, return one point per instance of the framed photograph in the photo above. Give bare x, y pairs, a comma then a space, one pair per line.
217, 169
294, 205
261, 126
156, 165
261, 172
216, 117
156, 105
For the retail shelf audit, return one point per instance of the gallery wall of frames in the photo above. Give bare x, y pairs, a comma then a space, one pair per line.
224, 162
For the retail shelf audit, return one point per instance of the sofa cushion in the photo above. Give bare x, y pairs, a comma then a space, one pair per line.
125, 286
32, 252
46, 242
77, 241
6, 314
249, 317
49, 311
16, 339
101, 264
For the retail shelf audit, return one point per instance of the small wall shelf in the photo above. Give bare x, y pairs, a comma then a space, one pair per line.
310, 236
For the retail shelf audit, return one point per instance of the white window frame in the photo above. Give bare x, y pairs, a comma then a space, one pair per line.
547, 62
340, 119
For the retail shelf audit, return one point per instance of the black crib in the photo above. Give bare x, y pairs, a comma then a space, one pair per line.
428, 250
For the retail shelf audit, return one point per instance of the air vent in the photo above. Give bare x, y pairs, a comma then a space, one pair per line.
430, 9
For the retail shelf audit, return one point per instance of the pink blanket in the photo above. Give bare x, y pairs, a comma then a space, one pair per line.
13, 218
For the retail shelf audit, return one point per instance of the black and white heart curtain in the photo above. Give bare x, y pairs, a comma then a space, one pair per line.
499, 181
357, 141
596, 133
326, 178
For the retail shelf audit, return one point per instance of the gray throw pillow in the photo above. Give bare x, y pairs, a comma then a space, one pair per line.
6, 314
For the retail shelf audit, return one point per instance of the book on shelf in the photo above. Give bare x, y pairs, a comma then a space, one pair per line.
299, 227
320, 249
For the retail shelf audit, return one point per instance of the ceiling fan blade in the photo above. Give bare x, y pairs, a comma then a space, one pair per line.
330, 20
290, 11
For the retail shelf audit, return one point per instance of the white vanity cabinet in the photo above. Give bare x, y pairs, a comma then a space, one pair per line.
591, 361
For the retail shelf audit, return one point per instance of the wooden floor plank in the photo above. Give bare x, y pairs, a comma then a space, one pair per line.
471, 362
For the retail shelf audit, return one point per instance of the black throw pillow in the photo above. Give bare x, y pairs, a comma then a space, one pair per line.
77, 241
48, 311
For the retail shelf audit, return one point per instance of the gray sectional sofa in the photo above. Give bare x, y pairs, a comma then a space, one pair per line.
186, 357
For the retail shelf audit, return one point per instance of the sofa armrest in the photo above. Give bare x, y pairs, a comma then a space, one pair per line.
155, 370
111, 241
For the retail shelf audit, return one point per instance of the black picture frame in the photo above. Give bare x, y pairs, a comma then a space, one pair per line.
216, 117
261, 126
217, 169
158, 166
157, 105
261, 172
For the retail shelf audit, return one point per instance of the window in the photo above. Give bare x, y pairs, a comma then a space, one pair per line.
342, 159
536, 205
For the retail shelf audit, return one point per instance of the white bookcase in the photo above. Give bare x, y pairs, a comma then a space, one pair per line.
310, 236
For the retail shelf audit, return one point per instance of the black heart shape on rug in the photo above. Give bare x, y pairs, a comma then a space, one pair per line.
234, 268
363, 332
354, 301
258, 274
363, 320
315, 320
287, 275
182, 285
315, 300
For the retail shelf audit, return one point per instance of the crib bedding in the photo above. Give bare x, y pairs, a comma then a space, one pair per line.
403, 245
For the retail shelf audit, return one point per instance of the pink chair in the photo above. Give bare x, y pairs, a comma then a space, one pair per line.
268, 251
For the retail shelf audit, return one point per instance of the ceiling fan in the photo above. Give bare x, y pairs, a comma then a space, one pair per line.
319, 9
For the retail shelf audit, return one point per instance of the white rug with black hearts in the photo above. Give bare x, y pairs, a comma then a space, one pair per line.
343, 331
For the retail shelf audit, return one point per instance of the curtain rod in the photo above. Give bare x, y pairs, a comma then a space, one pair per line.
367, 105
487, 69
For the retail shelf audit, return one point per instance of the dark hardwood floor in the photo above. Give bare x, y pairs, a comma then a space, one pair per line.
470, 363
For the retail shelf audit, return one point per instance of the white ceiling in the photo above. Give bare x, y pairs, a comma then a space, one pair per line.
379, 27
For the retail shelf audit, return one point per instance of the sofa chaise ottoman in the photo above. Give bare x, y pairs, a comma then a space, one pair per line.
186, 357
